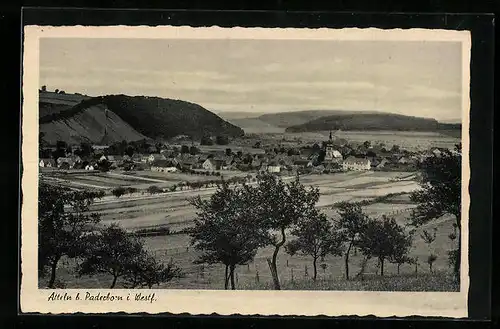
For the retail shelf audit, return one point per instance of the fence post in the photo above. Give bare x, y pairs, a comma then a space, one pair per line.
305, 271
291, 273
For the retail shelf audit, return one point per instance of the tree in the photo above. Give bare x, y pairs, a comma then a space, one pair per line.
429, 239
113, 252
86, 149
384, 239
395, 148
193, 150
184, 149
225, 231
440, 193
222, 140
315, 238
206, 140
352, 222
367, 144
104, 165
44, 88
257, 145
402, 244
146, 271
119, 191
153, 189
229, 152
280, 206
60, 229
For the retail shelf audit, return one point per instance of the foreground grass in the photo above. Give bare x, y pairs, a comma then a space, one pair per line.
439, 281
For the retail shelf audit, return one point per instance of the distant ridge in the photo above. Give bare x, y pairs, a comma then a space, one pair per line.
293, 118
372, 121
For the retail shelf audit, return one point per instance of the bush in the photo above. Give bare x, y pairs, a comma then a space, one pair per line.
119, 191
153, 231
153, 189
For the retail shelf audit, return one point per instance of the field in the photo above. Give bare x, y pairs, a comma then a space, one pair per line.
411, 141
173, 210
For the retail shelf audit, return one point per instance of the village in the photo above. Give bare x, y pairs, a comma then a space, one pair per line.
329, 157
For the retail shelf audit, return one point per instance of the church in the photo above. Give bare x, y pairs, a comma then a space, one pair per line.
331, 154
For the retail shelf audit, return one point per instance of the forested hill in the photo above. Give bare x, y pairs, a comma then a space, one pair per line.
132, 118
372, 121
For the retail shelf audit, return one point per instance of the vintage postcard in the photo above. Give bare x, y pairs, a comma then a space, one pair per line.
245, 171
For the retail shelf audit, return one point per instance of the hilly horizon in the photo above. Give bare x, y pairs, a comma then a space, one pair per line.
372, 121
76, 118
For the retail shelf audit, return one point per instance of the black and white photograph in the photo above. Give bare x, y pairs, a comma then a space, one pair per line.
249, 162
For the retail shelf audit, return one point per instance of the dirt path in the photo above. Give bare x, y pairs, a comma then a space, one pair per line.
75, 183
139, 178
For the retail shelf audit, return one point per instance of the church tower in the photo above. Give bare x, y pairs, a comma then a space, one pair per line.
329, 149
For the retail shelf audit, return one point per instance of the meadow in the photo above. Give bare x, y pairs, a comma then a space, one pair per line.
174, 211
411, 141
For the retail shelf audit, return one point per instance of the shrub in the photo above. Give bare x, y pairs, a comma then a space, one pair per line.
153, 189
119, 191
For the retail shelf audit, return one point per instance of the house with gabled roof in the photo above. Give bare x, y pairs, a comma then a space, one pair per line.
47, 163
155, 157
356, 164
273, 167
164, 166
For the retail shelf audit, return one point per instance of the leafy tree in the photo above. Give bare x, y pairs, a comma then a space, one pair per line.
119, 191
440, 193
113, 252
130, 150
384, 239
257, 145
367, 144
206, 140
44, 88
86, 149
225, 231
153, 189
352, 222
145, 272
222, 140
228, 152
315, 238
61, 146
395, 148
184, 149
59, 229
280, 206
193, 150
104, 165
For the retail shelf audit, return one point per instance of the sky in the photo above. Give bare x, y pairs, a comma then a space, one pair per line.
412, 78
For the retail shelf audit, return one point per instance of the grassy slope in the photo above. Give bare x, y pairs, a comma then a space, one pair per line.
148, 116
88, 125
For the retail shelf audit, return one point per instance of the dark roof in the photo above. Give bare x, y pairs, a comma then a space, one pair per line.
163, 163
354, 160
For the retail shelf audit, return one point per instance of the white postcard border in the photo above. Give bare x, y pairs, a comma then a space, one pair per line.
196, 302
